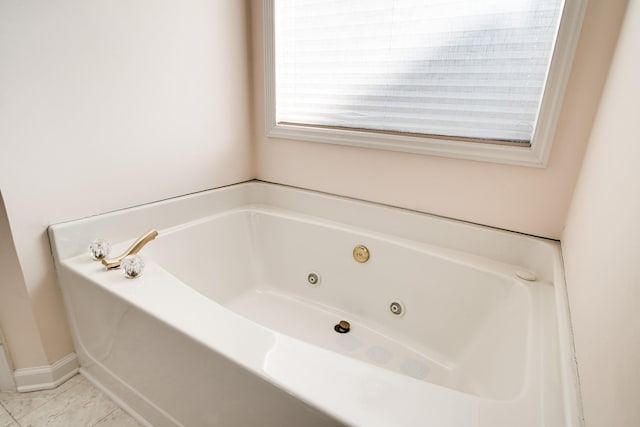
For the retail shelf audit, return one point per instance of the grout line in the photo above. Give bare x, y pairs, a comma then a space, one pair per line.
98, 422
15, 421
35, 394
53, 396
10, 415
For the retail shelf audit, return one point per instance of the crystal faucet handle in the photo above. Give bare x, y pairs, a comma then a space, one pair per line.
132, 266
100, 249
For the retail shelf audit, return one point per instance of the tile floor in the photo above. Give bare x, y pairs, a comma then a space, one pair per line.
76, 403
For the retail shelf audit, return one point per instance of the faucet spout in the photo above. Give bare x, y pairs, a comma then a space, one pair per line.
113, 263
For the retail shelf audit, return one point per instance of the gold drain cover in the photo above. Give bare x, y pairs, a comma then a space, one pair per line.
361, 253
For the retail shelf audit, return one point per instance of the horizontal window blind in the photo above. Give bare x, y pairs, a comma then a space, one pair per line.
457, 68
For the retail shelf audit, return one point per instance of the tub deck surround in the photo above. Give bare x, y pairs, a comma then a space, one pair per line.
223, 327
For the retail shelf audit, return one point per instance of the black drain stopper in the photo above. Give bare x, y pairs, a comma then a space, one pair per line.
343, 327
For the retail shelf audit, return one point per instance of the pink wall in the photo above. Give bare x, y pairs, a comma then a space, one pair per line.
91, 121
16, 315
601, 246
107, 105
529, 200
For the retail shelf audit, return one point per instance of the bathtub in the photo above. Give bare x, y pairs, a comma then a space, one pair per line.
233, 322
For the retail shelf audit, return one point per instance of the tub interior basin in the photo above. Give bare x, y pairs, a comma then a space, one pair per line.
465, 325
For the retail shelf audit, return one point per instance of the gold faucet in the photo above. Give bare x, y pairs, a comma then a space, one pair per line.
113, 263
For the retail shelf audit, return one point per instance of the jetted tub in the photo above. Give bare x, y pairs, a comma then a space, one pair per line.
232, 322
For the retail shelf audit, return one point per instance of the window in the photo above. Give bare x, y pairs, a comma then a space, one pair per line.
475, 79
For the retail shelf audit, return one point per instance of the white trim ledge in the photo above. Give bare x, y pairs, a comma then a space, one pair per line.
532, 156
46, 377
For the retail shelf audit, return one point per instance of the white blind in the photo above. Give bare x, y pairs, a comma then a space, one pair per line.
459, 68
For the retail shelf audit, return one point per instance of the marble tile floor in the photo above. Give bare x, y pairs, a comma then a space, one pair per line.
76, 403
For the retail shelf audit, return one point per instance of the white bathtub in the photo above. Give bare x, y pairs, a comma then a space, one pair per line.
224, 329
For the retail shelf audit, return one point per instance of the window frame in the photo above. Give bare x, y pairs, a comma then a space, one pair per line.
536, 154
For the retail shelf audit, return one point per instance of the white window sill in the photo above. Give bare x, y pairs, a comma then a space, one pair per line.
508, 154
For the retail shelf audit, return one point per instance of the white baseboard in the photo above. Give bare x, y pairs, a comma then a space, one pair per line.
46, 377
